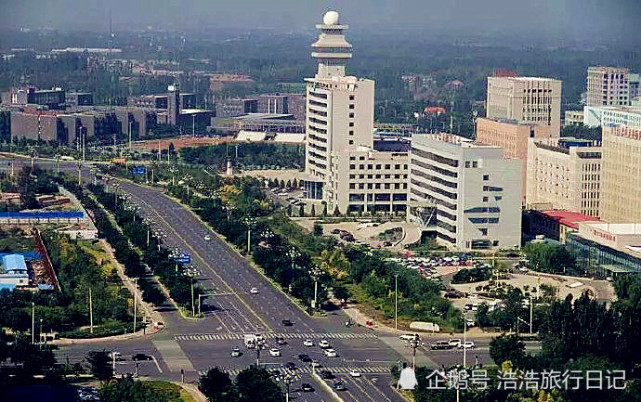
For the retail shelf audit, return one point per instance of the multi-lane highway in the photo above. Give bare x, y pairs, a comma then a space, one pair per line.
191, 346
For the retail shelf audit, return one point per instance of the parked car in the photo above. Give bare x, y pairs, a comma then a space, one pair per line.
335, 231
326, 375
274, 352
253, 291
207, 237
454, 342
304, 358
281, 341
308, 342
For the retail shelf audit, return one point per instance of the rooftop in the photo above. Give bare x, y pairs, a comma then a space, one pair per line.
568, 218
13, 262
619, 228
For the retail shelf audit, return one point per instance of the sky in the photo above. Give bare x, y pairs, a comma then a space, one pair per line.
572, 18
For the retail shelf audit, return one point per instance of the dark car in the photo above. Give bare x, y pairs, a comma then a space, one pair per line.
339, 386
290, 366
440, 345
140, 356
287, 323
281, 341
326, 374
305, 387
305, 358
335, 231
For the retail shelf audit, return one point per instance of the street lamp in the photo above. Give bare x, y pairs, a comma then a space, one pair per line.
315, 271
396, 301
287, 379
249, 221
260, 344
414, 342
192, 273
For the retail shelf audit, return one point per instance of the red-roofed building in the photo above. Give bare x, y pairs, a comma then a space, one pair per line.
556, 224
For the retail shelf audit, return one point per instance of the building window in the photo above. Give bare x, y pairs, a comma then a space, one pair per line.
362, 167
361, 158
405, 186
486, 177
378, 176
397, 166
404, 166
467, 164
377, 186
351, 142
369, 176
369, 186
475, 164
352, 176
361, 186
351, 115
351, 132
369, 167
361, 176
387, 176
352, 186
351, 124
397, 186
351, 106
495, 243
351, 97
387, 167
485, 199
352, 167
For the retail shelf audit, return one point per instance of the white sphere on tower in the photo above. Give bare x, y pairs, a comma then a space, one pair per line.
330, 18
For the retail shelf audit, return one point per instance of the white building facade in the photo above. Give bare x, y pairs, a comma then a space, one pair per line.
599, 116
467, 193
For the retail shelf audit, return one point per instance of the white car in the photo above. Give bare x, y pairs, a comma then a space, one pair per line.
253, 291
355, 373
409, 337
207, 237
330, 353
455, 343
235, 352
467, 345
274, 352
323, 344
308, 342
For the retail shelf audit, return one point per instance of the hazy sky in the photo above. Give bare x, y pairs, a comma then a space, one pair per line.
565, 17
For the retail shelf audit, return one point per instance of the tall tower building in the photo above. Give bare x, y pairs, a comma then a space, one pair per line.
340, 108
526, 100
608, 86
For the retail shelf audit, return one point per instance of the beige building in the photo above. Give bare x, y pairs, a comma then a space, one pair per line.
621, 175
608, 86
564, 174
513, 137
526, 100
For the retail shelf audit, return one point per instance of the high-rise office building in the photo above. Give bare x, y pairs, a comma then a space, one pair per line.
525, 100
608, 86
621, 174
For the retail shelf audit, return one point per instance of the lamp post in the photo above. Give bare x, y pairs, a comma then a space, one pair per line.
315, 271
414, 344
396, 301
33, 323
192, 273
287, 379
135, 304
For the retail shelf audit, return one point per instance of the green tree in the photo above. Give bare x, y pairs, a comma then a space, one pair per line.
256, 384
324, 209
318, 228
507, 348
216, 385
100, 364
337, 211
313, 211
334, 263
127, 389
301, 210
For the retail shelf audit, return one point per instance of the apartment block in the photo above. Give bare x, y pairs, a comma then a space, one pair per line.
468, 194
621, 174
564, 174
526, 100
608, 86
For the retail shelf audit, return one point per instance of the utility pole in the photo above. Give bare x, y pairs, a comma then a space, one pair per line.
33, 323
135, 310
396, 301
531, 314
91, 316
193, 309
464, 342
130, 123
193, 126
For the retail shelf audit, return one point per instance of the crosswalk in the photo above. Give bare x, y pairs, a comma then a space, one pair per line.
338, 370
288, 335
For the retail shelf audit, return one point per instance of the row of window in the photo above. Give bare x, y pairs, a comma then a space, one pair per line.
387, 186
385, 197
378, 176
436, 169
434, 157
451, 196
434, 179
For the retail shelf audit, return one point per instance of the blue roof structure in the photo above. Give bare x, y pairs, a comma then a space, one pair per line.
8, 286
43, 215
14, 263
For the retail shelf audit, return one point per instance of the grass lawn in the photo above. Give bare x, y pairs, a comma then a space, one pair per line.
173, 392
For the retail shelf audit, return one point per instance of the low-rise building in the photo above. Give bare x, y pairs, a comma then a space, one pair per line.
554, 224
14, 271
573, 118
600, 116
606, 249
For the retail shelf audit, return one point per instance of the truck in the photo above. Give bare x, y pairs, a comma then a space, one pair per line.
251, 340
